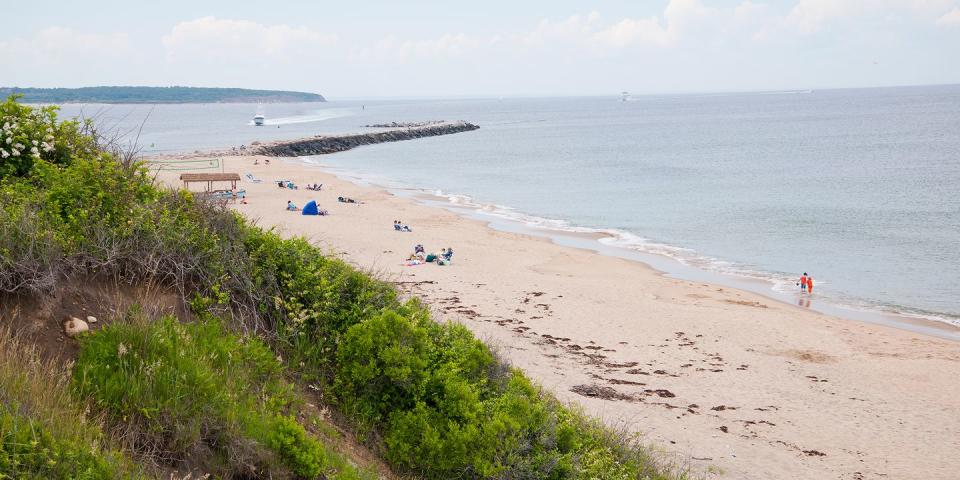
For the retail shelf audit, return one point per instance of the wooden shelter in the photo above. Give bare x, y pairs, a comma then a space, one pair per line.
209, 178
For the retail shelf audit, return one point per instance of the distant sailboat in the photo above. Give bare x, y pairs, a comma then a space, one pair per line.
624, 96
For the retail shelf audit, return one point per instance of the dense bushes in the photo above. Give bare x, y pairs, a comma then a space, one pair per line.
195, 392
443, 406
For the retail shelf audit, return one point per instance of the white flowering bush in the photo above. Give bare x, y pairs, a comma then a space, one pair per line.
29, 135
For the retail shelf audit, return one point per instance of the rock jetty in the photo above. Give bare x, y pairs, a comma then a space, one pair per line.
406, 124
323, 144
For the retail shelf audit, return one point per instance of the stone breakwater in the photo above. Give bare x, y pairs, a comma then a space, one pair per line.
323, 144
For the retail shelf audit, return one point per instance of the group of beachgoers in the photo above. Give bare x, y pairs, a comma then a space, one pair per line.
420, 256
401, 227
316, 187
805, 283
309, 209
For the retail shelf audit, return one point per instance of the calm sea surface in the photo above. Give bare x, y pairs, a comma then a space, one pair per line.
860, 188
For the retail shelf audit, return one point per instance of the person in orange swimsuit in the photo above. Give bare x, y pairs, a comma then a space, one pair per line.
809, 284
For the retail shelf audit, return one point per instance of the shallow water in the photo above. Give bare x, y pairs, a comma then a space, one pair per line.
857, 187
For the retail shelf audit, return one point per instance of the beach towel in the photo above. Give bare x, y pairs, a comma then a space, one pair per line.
311, 208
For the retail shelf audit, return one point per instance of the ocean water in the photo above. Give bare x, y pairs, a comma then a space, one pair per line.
860, 188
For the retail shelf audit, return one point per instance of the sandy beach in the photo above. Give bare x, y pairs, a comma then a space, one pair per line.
731, 383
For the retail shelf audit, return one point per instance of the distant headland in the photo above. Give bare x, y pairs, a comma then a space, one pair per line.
157, 95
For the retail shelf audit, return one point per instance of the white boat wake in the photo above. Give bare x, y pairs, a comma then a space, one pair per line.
318, 116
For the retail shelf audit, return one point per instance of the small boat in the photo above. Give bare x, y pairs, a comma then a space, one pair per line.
258, 119
624, 96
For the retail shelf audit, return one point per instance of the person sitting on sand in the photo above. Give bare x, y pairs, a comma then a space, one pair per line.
346, 200
291, 206
281, 184
396, 225
256, 161
419, 253
446, 256
267, 161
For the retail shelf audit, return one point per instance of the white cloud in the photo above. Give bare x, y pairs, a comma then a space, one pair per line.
54, 54
629, 31
588, 31
950, 19
54, 44
749, 10
213, 39
549, 33
809, 16
396, 49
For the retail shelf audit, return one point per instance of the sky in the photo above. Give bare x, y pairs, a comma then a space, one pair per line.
417, 48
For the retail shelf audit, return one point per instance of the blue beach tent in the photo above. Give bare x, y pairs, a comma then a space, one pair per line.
311, 208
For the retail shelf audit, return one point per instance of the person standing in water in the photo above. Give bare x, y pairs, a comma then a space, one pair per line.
803, 282
809, 285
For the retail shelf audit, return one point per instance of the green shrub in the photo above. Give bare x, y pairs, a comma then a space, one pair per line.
28, 449
305, 455
195, 391
29, 135
44, 433
314, 299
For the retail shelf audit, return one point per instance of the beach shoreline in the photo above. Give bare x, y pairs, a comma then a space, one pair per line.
592, 239
723, 379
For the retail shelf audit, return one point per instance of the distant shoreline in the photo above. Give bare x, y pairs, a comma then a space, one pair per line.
156, 95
